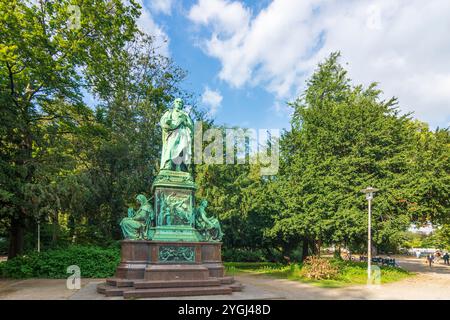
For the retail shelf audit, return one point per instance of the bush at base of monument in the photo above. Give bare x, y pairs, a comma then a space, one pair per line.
94, 262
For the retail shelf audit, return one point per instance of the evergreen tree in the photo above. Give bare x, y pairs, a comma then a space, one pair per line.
343, 139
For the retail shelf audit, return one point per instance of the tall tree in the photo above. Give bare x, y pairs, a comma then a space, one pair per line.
127, 158
429, 180
343, 138
238, 195
44, 62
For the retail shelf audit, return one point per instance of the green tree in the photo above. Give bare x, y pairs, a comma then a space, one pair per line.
429, 180
239, 196
44, 64
343, 138
126, 159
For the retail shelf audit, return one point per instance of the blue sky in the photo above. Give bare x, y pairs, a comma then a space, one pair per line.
246, 59
246, 106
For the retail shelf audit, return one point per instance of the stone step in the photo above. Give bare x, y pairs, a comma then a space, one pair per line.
236, 286
176, 292
101, 288
117, 282
175, 272
175, 283
110, 291
226, 280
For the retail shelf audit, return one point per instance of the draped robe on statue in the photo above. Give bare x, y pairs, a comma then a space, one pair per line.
177, 139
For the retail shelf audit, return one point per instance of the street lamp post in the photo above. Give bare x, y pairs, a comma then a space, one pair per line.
39, 235
369, 191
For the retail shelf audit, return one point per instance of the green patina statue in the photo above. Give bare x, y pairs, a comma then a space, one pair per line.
173, 217
135, 226
208, 227
177, 133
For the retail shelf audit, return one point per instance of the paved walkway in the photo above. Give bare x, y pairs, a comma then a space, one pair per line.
428, 283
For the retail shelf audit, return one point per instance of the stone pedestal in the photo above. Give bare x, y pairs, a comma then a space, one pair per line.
166, 268
174, 207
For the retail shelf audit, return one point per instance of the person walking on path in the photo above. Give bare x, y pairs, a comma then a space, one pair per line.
446, 258
430, 259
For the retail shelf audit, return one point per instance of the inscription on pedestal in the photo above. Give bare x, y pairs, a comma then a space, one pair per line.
176, 254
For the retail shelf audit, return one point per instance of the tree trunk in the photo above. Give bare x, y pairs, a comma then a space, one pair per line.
55, 228
287, 253
22, 161
337, 253
16, 238
313, 246
17, 228
319, 247
374, 250
305, 248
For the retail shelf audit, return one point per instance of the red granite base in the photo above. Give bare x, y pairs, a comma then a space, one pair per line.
146, 270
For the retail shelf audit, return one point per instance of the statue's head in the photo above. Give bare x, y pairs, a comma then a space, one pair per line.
141, 199
204, 203
178, 104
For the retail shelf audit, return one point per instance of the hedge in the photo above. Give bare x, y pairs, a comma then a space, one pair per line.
93, 261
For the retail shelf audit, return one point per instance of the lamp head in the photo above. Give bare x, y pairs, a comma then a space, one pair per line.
369, 191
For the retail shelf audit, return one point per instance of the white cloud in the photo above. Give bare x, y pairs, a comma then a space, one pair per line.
147, 24
402, 44
212, 99
227, 17
161, 6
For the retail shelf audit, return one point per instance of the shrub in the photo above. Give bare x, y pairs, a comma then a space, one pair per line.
250, 255
242, 255
94, 262
318, 268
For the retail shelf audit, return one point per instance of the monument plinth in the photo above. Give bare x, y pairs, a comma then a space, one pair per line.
171, 248
174, 189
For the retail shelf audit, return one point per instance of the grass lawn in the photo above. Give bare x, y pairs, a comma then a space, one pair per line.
350, 272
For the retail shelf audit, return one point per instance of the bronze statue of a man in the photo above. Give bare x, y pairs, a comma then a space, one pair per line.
177, 134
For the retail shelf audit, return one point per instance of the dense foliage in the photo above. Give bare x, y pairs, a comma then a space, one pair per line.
94, 262
244, 254
62, 161
343, 138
